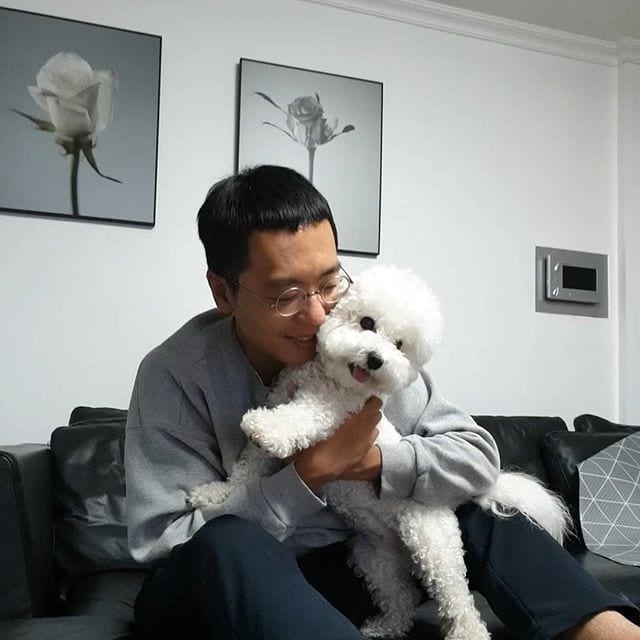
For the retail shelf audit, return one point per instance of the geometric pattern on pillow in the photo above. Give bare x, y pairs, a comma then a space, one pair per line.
610, 501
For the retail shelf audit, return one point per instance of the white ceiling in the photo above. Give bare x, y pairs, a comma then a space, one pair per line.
605, 19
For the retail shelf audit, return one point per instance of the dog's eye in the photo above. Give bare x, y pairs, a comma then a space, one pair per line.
398, 344
368, 324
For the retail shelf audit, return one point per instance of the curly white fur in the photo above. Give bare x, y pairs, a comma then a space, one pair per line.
394, 539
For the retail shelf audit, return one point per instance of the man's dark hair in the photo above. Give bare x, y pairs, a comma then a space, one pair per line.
262, 198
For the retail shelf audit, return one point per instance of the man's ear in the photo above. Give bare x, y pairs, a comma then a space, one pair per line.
221, 292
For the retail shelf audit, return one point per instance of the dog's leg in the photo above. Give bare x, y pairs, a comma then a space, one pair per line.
288, 428
386, 568
432, 535
377, 555
252, 463
209, 495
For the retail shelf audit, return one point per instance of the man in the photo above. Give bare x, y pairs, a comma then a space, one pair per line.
269, 563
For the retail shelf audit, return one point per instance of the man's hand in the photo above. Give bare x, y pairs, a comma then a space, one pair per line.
367, 469
349, 454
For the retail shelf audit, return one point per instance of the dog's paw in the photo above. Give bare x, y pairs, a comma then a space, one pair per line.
386, 626
209, 495
273, 444
469, 625
266, 431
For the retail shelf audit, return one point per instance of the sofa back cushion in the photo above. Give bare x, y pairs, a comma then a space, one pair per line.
88, 457
588, 423
96, 415
519, 439
90, 499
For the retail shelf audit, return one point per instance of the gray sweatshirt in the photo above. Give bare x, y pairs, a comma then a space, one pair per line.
183, 430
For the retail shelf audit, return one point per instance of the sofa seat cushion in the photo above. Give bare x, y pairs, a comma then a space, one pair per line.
108, 594
66, 628
618, 578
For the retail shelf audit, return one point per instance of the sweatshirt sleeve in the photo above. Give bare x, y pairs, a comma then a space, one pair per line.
444, 457
165, 461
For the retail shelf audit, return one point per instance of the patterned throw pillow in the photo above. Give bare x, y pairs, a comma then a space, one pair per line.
610, 501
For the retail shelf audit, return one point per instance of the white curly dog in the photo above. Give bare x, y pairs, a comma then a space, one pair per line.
374, 342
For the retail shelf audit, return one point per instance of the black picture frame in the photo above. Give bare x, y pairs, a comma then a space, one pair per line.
289, 116
62, 79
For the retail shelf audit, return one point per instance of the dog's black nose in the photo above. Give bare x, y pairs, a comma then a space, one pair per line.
374, 361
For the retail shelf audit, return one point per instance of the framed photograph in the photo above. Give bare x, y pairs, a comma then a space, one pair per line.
328, 128
79, 113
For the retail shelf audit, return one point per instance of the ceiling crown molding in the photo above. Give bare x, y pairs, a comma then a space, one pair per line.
433, 15
628, 50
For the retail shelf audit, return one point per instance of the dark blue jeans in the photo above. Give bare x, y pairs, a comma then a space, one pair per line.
233, 581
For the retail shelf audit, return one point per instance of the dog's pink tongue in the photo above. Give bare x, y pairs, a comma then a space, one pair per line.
360, 374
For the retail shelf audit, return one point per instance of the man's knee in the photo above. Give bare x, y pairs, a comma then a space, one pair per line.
232, 545
475, 523
224, 532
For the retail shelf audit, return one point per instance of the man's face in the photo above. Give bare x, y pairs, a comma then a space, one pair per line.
305, 258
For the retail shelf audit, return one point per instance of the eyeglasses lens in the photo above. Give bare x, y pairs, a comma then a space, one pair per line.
292, 300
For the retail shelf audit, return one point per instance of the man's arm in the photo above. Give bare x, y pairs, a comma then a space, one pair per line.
443, 458
169, 450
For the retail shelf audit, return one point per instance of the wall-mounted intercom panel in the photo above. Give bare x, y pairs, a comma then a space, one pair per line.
571, 282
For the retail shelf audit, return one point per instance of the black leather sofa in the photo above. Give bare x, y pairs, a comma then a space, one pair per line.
65, 571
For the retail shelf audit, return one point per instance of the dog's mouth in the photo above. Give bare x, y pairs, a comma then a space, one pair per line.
358, 373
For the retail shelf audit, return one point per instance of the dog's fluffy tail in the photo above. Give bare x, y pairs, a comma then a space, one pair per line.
519, 492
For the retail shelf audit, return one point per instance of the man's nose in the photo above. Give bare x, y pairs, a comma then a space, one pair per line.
314, 311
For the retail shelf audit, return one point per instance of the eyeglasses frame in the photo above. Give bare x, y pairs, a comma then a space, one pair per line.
273, 302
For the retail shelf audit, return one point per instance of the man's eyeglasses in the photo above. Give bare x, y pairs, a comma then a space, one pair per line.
292, 300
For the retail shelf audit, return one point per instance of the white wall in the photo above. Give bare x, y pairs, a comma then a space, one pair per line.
489, 150
629, 239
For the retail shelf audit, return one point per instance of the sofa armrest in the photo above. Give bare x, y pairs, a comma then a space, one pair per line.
26, 535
